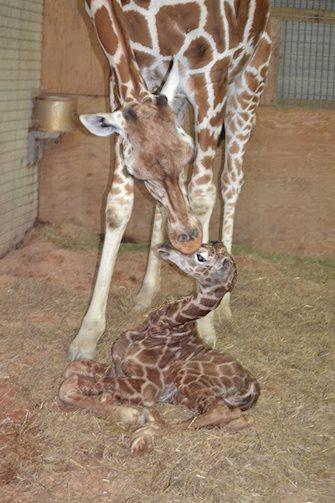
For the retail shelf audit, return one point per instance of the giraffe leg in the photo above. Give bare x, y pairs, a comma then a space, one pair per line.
89, 368
243, 97
83, 392
151, 281
118, 211
94, 388
208, 103
202, 193
218, 415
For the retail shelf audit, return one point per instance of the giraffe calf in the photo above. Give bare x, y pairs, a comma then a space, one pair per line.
164, 360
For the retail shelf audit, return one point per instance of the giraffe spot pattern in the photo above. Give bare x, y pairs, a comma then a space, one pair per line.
210, 77
173, 22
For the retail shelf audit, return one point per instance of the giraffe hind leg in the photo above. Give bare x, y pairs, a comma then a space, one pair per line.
220, 416
151, 279
198, 395
239, 121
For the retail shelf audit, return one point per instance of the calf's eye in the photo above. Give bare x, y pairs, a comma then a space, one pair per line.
200, 258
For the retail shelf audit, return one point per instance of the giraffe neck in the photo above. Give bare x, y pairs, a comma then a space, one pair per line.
112, 32
188, 309
197, 306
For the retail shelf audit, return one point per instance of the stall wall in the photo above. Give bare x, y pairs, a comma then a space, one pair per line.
20, 67
286, 204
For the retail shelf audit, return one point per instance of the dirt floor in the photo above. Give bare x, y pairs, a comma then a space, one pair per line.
282, 330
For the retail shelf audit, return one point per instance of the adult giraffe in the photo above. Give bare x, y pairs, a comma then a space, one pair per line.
220, 51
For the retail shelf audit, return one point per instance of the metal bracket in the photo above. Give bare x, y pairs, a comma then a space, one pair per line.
36, 144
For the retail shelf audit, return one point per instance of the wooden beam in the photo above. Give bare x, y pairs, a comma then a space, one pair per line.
304, 103
269, 95
308, 15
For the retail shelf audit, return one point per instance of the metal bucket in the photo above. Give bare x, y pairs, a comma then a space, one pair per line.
55, 114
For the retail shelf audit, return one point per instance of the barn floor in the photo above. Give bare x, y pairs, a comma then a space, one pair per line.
282, 331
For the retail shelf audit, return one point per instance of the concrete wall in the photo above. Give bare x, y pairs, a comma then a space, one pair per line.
20, 67
287, 201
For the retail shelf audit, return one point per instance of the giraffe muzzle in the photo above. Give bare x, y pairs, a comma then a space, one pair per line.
164, 250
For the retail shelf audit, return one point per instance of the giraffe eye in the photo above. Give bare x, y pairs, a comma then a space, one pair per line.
201, 257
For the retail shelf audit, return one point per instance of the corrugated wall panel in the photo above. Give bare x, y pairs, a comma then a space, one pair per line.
20, 69
306, 59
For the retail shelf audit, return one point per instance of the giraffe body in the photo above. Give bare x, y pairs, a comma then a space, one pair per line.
165, 360
220, 51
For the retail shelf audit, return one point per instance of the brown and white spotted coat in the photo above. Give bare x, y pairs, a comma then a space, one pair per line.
164, 360
219, 51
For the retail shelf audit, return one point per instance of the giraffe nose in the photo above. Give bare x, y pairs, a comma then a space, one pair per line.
186, 239
183, 238
190, 235
194, 233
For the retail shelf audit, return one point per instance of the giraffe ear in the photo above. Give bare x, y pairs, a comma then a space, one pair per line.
103, 124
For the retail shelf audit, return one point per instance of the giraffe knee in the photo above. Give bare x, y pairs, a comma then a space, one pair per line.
118, 213
68, 390
230, 190
202, 199
75, 367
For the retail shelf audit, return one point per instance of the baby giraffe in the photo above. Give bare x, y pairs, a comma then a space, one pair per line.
165, 360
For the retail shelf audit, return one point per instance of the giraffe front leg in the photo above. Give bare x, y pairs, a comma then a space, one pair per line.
231, 183
84, 392
202, 193
118, 211
151, 279
89, 368
206, 91
144, 437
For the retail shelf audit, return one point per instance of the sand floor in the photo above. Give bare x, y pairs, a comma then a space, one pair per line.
282, 330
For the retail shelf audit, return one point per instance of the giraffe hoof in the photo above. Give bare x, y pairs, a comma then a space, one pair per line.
206, 329
209, 339
130, 417
142, 442
240, 423
224, 311
143, 301
80, 352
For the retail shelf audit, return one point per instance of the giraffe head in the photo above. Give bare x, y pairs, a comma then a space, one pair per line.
211, 265
156, 150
